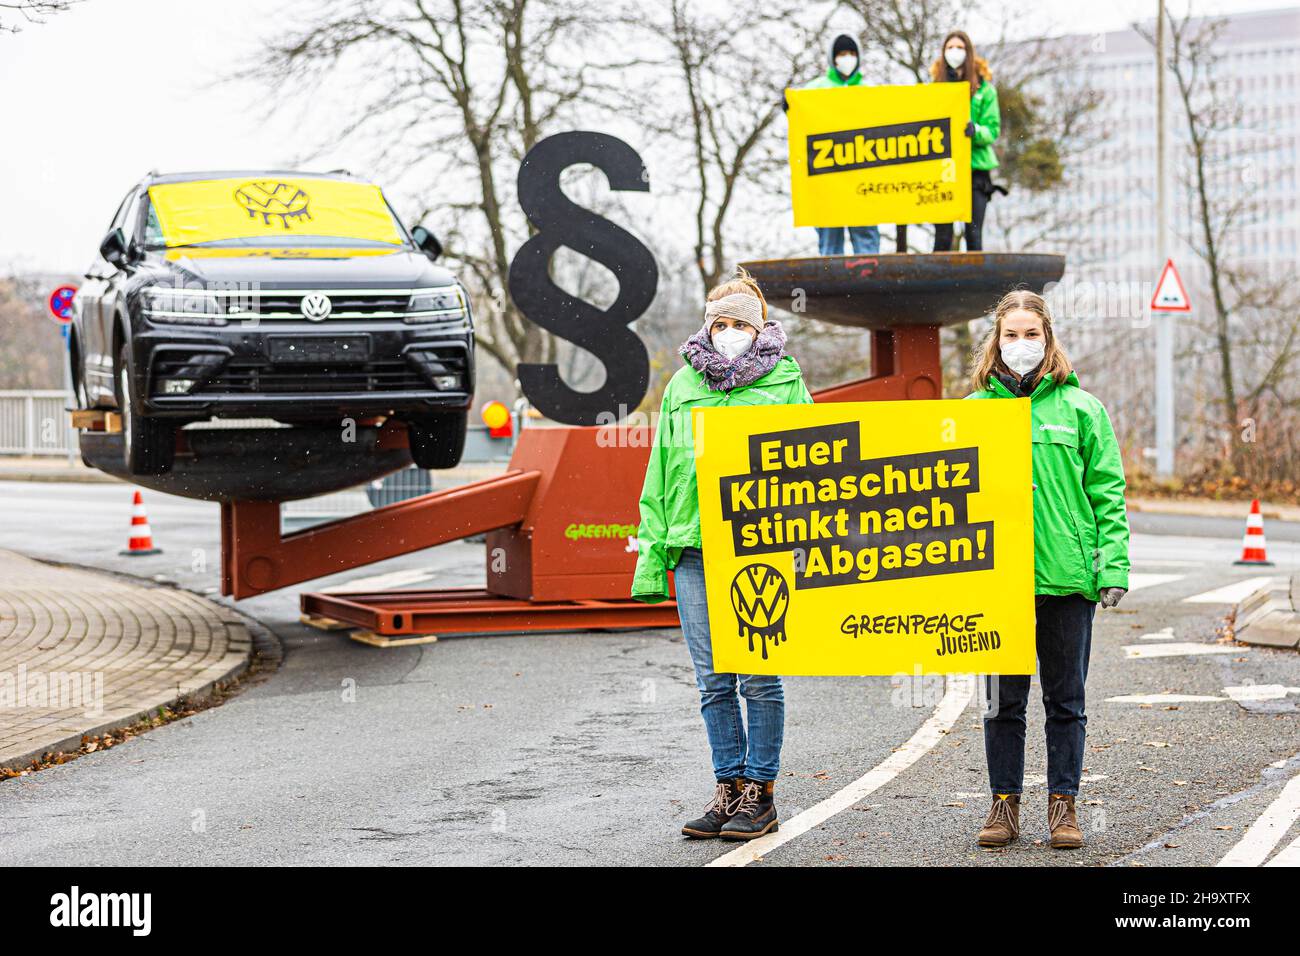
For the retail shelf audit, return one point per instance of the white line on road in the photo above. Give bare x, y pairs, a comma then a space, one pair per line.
1229, 593
1161, 699
957, 695
1177, 649
1137, 581
1263, 834
1288, 857
1257, 692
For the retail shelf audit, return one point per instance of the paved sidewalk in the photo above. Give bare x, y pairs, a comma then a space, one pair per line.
83, 652
50, 468
1206, 507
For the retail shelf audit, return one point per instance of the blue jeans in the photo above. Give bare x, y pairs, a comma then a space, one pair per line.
1063, 632
759, 756
865, 239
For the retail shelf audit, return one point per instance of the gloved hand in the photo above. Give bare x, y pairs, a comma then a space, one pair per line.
1110, 596
970, 130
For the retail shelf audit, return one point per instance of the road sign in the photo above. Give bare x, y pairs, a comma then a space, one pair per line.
1170, 296
61, 303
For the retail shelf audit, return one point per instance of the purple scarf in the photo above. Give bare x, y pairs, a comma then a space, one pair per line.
722, 374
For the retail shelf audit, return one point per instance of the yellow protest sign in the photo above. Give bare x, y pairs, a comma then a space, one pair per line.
275, 210
868, 537
863, 155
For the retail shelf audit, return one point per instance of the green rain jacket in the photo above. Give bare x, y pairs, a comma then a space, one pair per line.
670, 509
1080, 523
986, 117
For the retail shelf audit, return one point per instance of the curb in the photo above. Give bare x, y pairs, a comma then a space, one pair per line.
1269, 617
1211, 508
262, 648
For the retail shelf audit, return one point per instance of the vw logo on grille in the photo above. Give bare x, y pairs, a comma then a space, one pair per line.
316, 306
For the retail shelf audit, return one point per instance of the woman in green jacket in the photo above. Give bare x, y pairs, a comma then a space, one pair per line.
959, 64
1080, 558
736, 358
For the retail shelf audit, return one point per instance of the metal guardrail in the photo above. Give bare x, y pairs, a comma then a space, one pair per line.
36, 423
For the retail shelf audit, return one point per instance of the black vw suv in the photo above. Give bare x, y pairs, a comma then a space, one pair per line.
286, 295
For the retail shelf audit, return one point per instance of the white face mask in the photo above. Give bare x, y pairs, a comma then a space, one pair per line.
846, 63
955, 56
1023, 354
732, 342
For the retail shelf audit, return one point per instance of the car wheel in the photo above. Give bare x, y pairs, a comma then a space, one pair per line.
439, 440
148, 444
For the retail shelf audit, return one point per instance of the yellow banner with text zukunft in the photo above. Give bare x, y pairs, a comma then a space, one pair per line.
868, 537
863, 155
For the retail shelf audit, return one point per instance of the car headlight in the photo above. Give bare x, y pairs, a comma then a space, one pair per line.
183, 306
435, 305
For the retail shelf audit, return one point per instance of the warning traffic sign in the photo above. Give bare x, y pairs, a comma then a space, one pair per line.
1170, 296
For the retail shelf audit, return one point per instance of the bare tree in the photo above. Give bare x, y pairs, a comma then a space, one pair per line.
15, 14
1254, 324
31, 351
720, 107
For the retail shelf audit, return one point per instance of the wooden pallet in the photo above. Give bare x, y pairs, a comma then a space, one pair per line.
95, 420
382, 640
323, 623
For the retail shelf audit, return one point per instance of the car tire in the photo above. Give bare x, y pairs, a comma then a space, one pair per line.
77, 373
438, 441
148, 444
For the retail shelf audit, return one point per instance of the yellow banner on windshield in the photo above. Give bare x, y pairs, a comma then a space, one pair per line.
273, 210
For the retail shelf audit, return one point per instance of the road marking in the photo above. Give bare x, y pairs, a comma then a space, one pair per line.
383, 582
1288, 857
1254, 692
957, 695
1177, 649
1138, 581
1264, 833
1162, 699
1164, 634
1229, 593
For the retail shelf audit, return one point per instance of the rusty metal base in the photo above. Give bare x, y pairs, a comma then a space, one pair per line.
476, 611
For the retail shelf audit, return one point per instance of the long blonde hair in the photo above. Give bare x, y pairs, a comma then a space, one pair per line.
988, 355
742, 282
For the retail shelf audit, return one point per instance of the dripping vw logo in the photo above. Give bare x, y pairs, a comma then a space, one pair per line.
316, 306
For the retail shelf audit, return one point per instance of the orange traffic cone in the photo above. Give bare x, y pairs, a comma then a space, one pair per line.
140, 542
1252, 546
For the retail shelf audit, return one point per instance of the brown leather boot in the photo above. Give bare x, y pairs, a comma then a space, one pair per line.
1003, 822
725, 797
1063, 822
755, 812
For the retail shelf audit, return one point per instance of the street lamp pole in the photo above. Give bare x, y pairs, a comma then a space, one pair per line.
1164, 321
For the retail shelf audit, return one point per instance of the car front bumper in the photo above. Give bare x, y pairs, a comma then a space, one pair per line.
303, 370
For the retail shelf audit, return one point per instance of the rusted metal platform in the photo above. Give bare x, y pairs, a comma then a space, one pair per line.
458, 611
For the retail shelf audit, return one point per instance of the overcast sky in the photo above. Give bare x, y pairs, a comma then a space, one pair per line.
97, 96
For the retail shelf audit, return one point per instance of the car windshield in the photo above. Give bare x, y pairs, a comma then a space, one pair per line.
281, 212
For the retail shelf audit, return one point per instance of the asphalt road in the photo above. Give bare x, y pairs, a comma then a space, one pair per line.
588, 748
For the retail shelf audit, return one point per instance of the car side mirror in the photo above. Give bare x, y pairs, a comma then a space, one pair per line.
427, 242
114, 250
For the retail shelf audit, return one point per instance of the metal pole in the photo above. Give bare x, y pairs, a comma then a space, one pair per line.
1164, 321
